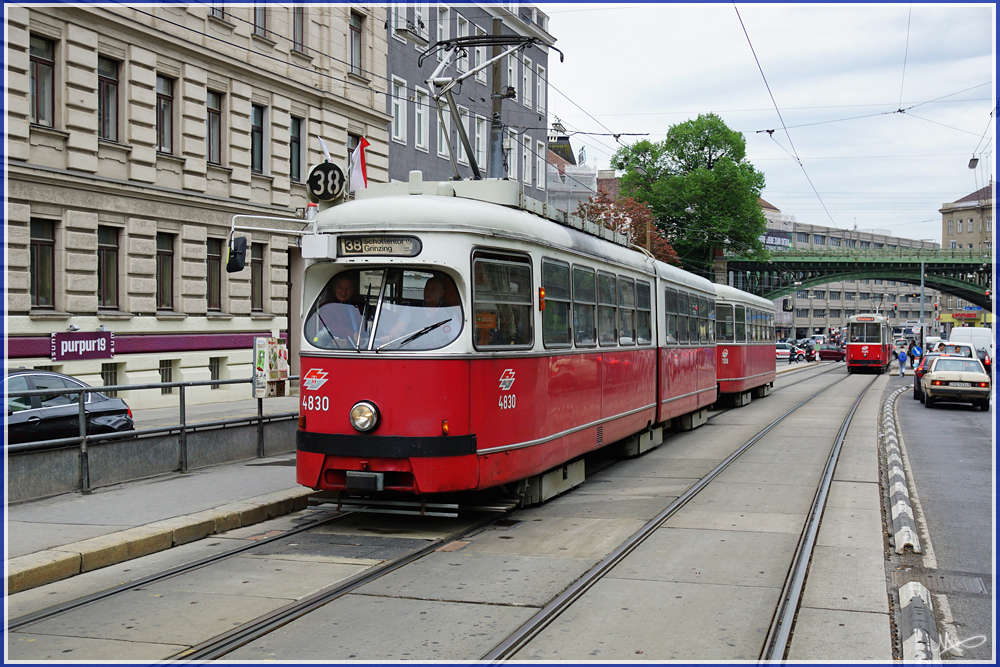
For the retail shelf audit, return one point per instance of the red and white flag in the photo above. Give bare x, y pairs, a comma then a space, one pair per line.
359, 169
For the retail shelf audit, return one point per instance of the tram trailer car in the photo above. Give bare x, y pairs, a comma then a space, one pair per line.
480, 344
869, 343
745, 359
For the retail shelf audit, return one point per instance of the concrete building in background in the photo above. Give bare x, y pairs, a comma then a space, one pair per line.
823, 310
134, 135
967, 224
417, 133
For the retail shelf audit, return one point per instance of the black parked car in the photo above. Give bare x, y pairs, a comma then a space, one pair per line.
53, 416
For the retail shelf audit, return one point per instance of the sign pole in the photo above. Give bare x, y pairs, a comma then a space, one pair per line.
922, 335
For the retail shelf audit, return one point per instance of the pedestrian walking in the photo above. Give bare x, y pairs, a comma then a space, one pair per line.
909, 352
902, 363
791, 355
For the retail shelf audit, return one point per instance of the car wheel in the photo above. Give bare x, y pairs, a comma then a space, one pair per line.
985, 405
928, 402
800, 357
916, 396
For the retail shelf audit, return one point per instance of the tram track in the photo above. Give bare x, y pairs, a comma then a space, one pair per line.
224, 644
778, 635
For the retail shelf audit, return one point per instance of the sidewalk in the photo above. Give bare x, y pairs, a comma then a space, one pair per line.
62, 536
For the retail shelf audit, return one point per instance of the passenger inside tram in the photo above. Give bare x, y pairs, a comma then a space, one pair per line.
335, 319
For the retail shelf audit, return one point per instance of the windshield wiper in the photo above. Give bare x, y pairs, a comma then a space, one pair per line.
426, 330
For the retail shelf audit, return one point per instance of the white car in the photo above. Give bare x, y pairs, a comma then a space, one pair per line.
956, 379
783, 350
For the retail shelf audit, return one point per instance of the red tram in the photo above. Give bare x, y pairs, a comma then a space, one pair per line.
869, 343
453, 340
745, 356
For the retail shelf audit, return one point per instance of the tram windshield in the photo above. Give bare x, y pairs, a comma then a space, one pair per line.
385, 310
865, 332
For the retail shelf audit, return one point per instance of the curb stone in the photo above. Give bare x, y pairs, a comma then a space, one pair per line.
62, 562
920, 641
903, 524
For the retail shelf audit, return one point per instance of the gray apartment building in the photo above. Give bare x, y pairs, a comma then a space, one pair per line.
417, 134
967, 224
824, 309
134, 135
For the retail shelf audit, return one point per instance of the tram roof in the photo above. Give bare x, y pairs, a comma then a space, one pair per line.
489, 208
727, 293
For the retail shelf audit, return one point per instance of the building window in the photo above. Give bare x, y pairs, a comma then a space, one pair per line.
540, 87
107, 267
356, 50
299, 28
109, 378
421, 19
954, 245
834, 313
801, 312
260, 19
819, 294
819, 312
420, 119
444, 130
480, 55
218, 9
213, 136
295, 150
399, 110
834, 296
166, 369
215, 371
462, 61
511, 64
257, 277
214, 272
43, 252
512, 144
107, 99
866, 244
463, 118
834, 243
801, 237
442, 29
482, 133
42, 81
959, 227
164, 114
526, 82
257, 139
526, 161
540, 165
951, 227
164, 271
802, 294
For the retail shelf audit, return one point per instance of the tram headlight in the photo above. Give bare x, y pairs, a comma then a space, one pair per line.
365, 416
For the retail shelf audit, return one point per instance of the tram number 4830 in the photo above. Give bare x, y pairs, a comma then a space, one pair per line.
508, 401
321, 403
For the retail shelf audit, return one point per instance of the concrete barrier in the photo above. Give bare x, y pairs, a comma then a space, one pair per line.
32, 475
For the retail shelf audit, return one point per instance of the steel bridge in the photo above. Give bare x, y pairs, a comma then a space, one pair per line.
967, 274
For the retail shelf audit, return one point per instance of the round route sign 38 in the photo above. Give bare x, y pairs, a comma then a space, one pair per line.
326, 182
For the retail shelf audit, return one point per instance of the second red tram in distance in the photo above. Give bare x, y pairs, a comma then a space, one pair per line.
869, 343
744, 354
454, 339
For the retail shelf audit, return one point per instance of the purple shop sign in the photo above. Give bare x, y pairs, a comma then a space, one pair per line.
83, 345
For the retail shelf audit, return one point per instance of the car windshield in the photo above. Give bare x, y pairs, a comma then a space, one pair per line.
959, 365
385, 309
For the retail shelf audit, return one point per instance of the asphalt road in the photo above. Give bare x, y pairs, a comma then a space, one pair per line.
950, 450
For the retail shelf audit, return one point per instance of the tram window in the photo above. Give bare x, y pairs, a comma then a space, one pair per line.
724, 332
335, 319
739, 324
606, 310
702, 319
754, 325
693, 318
626, 311
862, 332
711, 321
670, 313
682, 317
502, 300
584, 305
644, 319
555, 317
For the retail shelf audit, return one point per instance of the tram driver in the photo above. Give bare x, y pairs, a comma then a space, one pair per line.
429, 324
335, 319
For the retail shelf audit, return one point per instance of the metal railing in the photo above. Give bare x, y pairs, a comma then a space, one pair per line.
182, 429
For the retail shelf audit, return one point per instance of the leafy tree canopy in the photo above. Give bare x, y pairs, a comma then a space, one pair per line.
701, 188
631, 217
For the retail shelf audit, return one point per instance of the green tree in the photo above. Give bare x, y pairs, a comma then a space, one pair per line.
701, 188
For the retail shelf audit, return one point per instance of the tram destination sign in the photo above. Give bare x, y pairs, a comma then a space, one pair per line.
380, 246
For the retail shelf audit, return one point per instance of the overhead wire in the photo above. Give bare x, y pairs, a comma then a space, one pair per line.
906, 50
778, 111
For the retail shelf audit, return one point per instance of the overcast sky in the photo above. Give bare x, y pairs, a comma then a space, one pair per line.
644, 67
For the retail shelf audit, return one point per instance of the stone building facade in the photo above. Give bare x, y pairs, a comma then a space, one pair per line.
134, 135
967, 224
